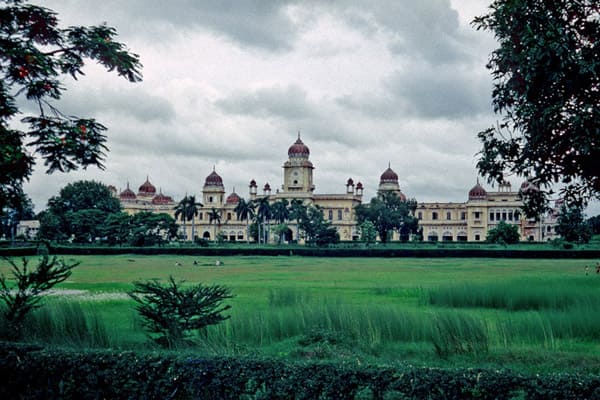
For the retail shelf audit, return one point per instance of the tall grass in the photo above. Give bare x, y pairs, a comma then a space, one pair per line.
516, 295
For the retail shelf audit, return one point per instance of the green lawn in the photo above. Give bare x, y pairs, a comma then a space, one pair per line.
388, 310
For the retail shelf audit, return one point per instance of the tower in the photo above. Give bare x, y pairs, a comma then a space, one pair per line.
298, 170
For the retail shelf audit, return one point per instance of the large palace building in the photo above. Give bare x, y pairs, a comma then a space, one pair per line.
464, 221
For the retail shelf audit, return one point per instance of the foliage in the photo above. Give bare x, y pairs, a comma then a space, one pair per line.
116, 228
187, 210
79, 211
504, 233
173, 313
244, 211
594, 223
316, 230
35, 55
571, 225
28, 289
35, 372
547, 88
149, 229
11, 215
368, 233
389, 213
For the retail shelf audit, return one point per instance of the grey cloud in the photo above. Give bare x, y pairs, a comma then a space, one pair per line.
285, 102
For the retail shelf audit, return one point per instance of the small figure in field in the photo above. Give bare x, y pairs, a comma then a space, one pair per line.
218, 263
195, 262
177, 264
598, 267
587, 270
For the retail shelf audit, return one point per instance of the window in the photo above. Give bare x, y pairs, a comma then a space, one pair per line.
491, 216
448, 215
228, 216
463, 216
420, 215
497, 216
504, 216
210, 199
434, 215
510, 216
477, 214
339, 215
200, 216
330, 215
477, 237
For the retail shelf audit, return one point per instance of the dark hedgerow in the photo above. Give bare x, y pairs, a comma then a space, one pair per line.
30, 372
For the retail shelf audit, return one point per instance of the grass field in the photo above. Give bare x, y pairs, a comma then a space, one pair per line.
538, 315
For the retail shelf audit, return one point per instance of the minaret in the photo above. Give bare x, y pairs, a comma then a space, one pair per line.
298, 170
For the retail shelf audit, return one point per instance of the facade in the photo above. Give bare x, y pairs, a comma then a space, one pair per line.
471, 220
440, 221
28, 228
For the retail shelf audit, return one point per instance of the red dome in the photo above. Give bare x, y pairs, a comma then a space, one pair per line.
267, 186
233, 198
350, 182
252, 183
127, 194
213, 180
477, 192
147, 188
359, 185
162, 199
388, 176
298, 149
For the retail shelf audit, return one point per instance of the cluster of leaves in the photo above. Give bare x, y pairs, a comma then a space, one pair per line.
503, 234
87, 210
25, 294
173, 313
388, 213
36, 373
317, 231
547, 88
572, 226
35, 55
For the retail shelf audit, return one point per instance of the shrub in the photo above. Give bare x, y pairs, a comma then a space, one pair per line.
173, 314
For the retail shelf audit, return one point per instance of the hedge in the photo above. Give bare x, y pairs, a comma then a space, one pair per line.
309, 252
34, 372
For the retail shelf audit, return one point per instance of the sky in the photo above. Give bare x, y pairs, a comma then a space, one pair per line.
229, 84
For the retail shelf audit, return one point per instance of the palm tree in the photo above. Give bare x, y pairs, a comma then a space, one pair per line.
181, 212
263, 213
214, 215
192, 212
297, 212
245, 211
281, 213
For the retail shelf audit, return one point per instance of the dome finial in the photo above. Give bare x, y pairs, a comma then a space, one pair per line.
389, 164
298, 134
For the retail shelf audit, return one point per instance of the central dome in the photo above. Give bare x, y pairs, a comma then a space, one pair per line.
388, 176
213, 179
298, 149
147, 188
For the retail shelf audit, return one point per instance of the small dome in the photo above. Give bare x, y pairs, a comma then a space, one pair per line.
298, 149
147, 188
213, 179
267, 186
477, 192
162, 199
252, 183
127, 194
527, 186
388, 176
233, 198
350, 182
359, 185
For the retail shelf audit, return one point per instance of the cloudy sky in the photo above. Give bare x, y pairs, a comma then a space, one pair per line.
230, 83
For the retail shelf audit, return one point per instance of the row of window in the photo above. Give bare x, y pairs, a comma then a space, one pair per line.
436, 216
494, 216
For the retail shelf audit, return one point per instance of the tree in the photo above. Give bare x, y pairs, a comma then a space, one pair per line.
503, 233
263, 215
368, 233
244, 211
25, 295
172, 314
35, 56
214, 215
280, 213
547, 90
594, 223
149, 229
316, 230
74, 202
187, 210
297, 211
117, 228
572, 226
389, 213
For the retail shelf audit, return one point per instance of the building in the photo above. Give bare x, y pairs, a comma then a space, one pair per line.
440, 221
28, 228
483, 210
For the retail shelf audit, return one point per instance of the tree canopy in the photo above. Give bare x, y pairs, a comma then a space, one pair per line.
572, 226
547, 90
388, 213
35, 57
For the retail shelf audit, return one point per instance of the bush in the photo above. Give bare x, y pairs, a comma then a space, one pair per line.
173, 314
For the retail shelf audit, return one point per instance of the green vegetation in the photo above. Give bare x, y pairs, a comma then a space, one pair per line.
530, 314
504, 233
